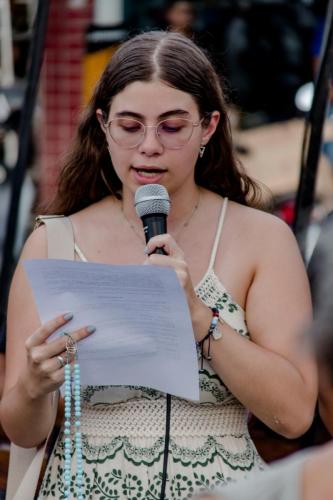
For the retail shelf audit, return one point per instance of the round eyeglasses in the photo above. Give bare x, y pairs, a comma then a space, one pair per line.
173, 133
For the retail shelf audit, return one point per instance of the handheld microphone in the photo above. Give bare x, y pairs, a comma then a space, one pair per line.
152, 204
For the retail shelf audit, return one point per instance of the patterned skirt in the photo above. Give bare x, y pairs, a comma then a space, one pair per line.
123, 449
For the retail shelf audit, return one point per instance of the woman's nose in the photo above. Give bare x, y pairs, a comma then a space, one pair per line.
150, 143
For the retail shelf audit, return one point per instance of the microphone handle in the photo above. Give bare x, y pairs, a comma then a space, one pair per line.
160, 251
153, 225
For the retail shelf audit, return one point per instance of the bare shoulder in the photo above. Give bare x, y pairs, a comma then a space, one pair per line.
95, 209
261, 227
96, 213
35, 246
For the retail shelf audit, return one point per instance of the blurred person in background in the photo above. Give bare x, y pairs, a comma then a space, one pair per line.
180, 17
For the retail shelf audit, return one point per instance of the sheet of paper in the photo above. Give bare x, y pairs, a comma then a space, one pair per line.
144, 333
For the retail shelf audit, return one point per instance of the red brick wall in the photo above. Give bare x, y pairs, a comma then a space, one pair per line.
61, 88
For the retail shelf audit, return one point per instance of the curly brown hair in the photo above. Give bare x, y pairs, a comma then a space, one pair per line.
88, 174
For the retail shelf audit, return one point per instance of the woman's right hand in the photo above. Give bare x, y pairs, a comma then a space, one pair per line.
44, 371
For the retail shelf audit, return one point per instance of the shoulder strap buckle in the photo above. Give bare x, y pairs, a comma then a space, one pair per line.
39, 220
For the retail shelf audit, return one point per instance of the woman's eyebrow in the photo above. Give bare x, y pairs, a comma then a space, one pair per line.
179, 112
129, 113
138, 116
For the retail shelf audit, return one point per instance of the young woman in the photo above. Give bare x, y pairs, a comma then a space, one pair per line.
158, 115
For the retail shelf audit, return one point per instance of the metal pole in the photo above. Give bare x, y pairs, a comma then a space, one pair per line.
313, 136
7, 65
35, 57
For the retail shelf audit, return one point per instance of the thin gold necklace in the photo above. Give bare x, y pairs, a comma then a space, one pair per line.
139, 233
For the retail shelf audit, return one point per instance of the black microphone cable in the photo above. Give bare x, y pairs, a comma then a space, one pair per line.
166, 446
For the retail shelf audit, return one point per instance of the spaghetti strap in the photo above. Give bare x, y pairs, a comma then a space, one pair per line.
79, 253
218, 234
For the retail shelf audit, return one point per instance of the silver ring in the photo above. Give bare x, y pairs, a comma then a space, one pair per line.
61, 361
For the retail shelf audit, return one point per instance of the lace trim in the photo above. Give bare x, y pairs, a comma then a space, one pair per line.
212, 390
202, 454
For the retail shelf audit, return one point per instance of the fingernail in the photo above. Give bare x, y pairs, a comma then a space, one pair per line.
146, 251
91, 329
68, 316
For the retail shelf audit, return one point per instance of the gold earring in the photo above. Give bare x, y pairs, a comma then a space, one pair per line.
201, 151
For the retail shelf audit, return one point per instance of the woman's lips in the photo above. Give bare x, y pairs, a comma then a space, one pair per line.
144, 175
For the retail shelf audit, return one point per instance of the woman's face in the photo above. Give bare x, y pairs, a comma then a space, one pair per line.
152, 161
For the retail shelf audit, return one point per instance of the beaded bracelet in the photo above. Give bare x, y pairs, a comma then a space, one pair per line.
211, 332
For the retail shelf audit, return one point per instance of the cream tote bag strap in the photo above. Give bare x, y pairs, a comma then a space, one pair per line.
60, 236
25, 463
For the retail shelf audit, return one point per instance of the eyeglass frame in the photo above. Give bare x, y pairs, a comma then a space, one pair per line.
107, 126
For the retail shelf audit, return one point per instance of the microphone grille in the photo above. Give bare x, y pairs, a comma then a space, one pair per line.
151, 199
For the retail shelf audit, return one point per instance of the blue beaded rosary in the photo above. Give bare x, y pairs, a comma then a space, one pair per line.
72, 397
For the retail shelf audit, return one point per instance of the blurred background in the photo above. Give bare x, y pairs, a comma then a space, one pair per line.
267, 53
